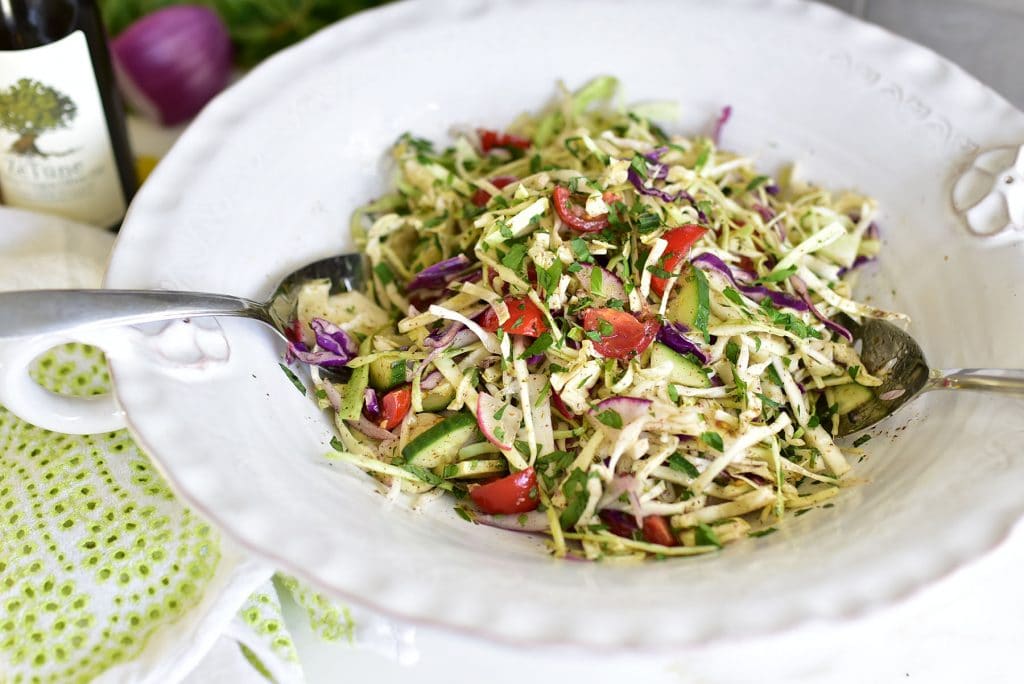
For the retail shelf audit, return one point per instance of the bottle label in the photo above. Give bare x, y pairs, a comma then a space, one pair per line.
55, 149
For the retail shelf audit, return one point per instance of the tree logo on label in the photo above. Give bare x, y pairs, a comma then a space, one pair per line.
30, 108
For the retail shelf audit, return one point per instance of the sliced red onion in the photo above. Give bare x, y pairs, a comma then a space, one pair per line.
533, 521
723, 118
766, 212
755, 292
611, 284
619, 523
801, 287
535, 360
628, 408
371, 405
433, 379
292, 349
173, 61
333, 397
438, 275
671, 335
371, 430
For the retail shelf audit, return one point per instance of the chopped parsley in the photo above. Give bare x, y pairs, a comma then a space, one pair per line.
294, 378
679, 463
610, 418
713, 440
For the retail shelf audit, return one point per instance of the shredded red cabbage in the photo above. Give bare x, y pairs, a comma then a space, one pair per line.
857, 263
619, 523
330, 337
723, 118
644, 189
671, 335
371, 406
437, 275
443, 336
334, 346
801, 288
755, 292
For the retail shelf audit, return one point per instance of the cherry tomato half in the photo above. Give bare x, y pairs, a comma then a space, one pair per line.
515, 493
481, 197
621, 335
395, 406
657, 531
573, 215
525, 318
680, 240
490, 139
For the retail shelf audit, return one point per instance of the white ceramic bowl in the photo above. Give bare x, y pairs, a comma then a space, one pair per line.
265, 180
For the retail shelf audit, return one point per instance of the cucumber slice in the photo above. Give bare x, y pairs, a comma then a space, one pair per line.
386, 373
850, 396
438, 398
685, 302
354, 393
684, 371
440, 444
474, 469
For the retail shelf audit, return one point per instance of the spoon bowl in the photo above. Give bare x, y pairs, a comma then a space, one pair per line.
894, 357
30, 313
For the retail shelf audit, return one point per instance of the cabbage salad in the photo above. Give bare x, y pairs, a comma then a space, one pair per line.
587, 328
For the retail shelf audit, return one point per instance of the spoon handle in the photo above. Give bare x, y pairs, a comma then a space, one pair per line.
43, 312
1003, 380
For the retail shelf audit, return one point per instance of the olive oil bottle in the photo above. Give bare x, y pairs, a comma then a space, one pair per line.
63, 143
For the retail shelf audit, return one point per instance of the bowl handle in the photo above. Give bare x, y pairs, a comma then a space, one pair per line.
25, 398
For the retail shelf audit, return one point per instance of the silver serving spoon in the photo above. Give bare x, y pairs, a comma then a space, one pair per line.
896, 359
40, 312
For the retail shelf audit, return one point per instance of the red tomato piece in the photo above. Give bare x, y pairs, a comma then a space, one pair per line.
515, 493
294, 331
621, 335
481, 197
680, 240
573, 215
557, 402
395, 407
657, 531
525, 318
490, 139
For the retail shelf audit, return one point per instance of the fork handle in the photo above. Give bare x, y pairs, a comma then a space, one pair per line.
1002, 380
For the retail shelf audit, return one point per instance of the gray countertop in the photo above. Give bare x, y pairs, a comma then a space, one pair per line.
985, 37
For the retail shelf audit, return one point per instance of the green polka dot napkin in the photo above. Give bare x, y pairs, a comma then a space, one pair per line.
105, 576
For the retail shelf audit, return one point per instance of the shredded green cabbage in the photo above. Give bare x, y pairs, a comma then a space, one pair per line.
719, 450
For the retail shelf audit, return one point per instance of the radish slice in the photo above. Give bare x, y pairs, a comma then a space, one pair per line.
533, 521
611, 286
629, 409
504, 427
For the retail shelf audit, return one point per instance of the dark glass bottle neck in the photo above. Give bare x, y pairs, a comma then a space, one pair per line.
31, 23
